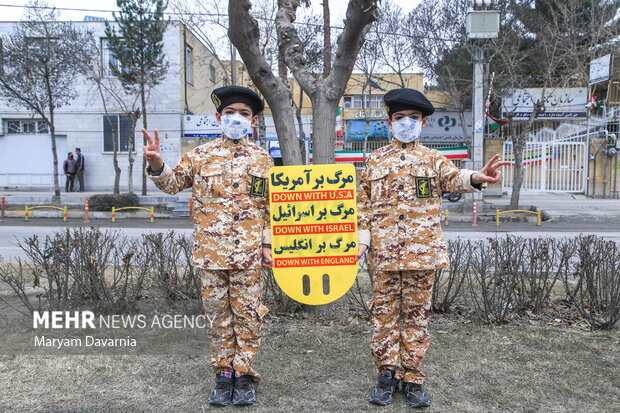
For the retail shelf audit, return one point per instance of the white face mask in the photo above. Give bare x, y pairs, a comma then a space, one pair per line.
235, 126
406, 129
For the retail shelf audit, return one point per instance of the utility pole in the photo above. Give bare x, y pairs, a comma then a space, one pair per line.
478, 115
482, 23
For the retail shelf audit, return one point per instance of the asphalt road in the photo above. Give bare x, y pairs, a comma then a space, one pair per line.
14, 229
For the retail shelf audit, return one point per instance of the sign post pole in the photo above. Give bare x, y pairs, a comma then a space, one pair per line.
86, 220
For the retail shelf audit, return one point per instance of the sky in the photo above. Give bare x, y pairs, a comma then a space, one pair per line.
100, 8
76, 10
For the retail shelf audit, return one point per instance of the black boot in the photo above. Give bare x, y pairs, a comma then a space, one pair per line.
222, 392
244, 392
415, 395
386, 386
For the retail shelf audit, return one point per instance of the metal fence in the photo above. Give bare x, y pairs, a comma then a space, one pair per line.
549, 166
358, 146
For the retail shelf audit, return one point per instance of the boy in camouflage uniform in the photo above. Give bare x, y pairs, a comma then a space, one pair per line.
228, 177
399, 211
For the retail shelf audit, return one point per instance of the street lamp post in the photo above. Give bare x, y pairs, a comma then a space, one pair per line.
482, 23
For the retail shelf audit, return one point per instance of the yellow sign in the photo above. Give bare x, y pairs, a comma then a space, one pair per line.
314, 230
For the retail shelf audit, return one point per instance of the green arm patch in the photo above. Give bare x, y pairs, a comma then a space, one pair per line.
258, 186
423, 187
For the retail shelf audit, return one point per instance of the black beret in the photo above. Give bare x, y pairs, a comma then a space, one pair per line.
407, 99
227, 95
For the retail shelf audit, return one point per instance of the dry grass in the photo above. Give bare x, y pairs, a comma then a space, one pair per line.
326, 366
320, 364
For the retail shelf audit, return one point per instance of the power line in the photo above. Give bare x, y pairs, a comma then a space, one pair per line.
204, 14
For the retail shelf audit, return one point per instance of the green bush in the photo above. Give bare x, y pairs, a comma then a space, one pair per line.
105, 202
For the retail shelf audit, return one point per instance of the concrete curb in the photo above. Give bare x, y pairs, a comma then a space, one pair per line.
554, 207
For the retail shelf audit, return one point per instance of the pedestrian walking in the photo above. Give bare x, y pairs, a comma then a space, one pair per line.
68, 167
399, 212
79, 168
228, 177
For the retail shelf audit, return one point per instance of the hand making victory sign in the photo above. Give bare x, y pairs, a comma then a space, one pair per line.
489, 173
152, 152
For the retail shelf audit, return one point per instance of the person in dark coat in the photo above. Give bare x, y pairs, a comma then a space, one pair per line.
69, 167
79, 168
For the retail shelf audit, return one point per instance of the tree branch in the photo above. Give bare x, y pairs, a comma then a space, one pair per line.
360, 16
291, 47
244, 33
16, 95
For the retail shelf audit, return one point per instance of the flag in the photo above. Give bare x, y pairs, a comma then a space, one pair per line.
495, 123
339, 135
488, 105
456, 152
594, 104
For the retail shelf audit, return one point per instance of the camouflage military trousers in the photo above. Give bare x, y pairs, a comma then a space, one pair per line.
232, 304
400, 315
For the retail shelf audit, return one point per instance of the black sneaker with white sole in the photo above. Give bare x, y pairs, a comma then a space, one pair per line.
222, 393
415, 395
244, 392
386, 386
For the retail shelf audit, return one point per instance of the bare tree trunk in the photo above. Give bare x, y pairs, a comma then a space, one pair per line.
115, 135
117, 169
285, 127
517, 150
325, 94
55, 157
456, 100
52, 128
461, 113
324, 128
144, 125
130, 157
518, 146
130, 172
262, 130
300, 124
244, 34
233, 65
327, 41
282, 70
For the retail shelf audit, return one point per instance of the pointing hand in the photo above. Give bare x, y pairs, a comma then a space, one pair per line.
489, 173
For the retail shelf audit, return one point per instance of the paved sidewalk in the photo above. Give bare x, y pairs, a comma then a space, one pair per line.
557, 206
77, 198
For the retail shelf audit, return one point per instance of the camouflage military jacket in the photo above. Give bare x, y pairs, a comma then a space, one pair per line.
399, 206
230, 201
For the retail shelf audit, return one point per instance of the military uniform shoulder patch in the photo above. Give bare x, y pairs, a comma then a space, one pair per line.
258, 186
423, 187
216, 100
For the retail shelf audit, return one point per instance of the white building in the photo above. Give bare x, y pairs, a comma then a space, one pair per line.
25, 145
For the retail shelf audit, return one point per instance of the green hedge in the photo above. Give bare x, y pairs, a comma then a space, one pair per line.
105, 202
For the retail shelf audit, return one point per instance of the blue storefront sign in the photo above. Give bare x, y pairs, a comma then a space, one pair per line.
442, 126
356, 130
